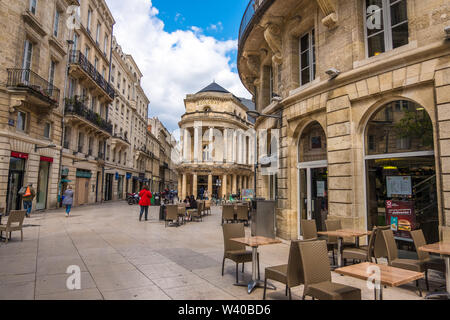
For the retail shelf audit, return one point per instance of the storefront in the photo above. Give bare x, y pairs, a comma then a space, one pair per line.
43, 178
120, 180
401, 171
16, 174
109, 186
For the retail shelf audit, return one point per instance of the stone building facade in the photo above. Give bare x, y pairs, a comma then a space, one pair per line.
62, 76
363, 88
125, 153
164, 163
217, 146
33, 54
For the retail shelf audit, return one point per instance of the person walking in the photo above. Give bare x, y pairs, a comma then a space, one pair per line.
68, 200
145, 202
28, 195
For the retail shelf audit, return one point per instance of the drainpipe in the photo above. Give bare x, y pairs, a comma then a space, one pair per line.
66, 76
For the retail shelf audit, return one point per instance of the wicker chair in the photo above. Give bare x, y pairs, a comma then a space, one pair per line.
14, 223
208, 207
242, 214
394, 261
196, 214
309, 232
425, 258
172, 215
290, 274
317, 274
380, 250
363, 253
235, 251
227, 213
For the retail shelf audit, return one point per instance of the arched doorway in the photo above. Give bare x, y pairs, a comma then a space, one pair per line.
313, 175
401, 171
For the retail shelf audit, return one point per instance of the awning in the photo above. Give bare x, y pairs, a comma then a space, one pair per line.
65, 181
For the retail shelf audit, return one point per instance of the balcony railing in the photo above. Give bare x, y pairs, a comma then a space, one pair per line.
76, 107
76, 57
25, 78
121, 136
254, 7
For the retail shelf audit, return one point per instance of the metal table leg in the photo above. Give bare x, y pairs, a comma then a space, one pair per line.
378, 292
255, 282
443, 295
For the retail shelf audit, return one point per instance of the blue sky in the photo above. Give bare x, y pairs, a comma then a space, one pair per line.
180, 46
218, 19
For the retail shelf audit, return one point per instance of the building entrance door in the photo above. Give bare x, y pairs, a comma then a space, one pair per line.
313, 193
15, 183
42, 188
82, 191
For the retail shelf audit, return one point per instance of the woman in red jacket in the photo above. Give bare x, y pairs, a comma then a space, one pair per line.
145, 202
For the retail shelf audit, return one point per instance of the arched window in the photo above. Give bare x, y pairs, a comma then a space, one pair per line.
207, 109
401, 171
313, 144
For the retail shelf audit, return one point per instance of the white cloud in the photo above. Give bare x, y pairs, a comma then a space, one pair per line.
174, 64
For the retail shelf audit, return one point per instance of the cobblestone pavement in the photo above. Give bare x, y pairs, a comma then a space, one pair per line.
122, 258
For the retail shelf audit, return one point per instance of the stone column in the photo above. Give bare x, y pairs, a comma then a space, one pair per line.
194, 185
234, 185
210, 185
180, 185
234, 149
184, 191
224, 186
225, 145
211, 143
186, 149
244, 160
196, 144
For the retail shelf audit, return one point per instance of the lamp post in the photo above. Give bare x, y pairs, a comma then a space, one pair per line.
255, 114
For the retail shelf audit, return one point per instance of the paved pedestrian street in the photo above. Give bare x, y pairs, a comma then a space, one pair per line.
121, 258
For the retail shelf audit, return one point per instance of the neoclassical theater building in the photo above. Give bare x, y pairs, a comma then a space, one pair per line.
363, 88
216, 142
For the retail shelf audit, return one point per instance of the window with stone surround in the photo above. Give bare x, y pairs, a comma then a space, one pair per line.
386, 25
307, 58
22, 119
33, 5
56, 23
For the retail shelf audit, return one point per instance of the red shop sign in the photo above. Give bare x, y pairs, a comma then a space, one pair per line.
19, 155
46, 159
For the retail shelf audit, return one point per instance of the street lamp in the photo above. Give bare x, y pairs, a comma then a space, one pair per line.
255, 114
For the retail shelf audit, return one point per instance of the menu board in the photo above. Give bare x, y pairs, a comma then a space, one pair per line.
399, 186
400, 215
320, 189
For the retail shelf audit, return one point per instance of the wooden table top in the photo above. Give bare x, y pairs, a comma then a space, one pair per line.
438, 248
255, 242
390, 276
345, 233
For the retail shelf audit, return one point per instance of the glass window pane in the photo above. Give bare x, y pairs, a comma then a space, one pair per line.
376, 44
398, 13
400, 35
305, 76
304, 60
304, 43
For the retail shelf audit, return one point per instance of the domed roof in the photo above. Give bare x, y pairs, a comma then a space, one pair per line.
214, 87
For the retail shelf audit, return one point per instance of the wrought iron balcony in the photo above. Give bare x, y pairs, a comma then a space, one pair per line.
27, 79
254, 10
76, 57
76, 107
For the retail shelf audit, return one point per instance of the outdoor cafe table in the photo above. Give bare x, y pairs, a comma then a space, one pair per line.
341, 234
442, 248
254, 243
389, 276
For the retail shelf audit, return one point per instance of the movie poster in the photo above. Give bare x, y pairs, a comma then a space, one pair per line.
400, 215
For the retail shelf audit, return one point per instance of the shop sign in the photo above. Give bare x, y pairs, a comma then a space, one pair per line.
247, 194
129, 175
84, 174
47, 159
19, 155
400, 215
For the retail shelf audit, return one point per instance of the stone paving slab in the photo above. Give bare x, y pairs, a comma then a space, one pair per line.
122, 258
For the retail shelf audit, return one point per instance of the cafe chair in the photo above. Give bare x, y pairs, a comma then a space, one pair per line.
172, 215
317, 274
234, 251
227, 213
289, 274
208, 207
363, 253
425, 258
242, 214
380, 250
394, 261
14, 223
196, 214
309, 232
